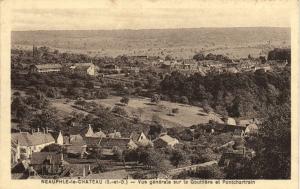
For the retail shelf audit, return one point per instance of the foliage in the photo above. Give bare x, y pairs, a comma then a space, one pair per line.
119, 110
47, 118
236, 95
178, 157
124, 100
272, 147
212, 172
155, 98
52, 148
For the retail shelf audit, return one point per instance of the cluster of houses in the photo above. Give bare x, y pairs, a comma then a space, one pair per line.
27, 150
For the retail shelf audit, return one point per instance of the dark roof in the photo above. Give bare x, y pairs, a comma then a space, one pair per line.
27, 139
39, 158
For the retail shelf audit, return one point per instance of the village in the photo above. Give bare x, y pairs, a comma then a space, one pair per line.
170, 139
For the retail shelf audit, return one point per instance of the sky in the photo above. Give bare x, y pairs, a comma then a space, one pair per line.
147, 14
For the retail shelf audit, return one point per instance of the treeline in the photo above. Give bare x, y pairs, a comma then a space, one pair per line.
43, 55
236, 95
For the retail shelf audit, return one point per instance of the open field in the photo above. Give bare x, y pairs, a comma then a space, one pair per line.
187, 116
233, 42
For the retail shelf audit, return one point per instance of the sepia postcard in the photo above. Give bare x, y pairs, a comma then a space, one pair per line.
149, 93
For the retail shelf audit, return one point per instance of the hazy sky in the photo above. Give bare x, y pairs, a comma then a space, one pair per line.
145, 14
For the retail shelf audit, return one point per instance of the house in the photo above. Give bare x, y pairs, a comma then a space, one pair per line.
131, 70
114, 134
121, 143
230, 121
29, 143
91, 133
83, 68
251, 129
111, 69
77, 171
140, 139
164, 141
264, 68
45, 68
47, 163
76, 146
108, 145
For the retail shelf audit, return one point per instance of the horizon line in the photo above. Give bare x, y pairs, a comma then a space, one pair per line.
129, 29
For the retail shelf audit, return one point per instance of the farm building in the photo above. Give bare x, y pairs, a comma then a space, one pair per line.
45, 68
83, 69
165, 140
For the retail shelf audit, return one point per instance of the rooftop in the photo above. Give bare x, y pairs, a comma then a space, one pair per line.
27, 139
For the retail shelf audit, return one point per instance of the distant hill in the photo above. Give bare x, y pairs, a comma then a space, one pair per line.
176, 42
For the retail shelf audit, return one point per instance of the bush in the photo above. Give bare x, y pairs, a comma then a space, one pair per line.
175, 110
124, 100
155, 98
119, 110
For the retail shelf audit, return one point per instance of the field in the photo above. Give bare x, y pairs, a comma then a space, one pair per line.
187, 115
141, 107
184, 43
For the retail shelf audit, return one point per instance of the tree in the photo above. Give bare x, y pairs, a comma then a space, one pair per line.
184, 100
272, 147
22, 113
175, 110
156, 119
169, 57
155, 98
178, 157
47, 118
89, 85
120, 111
154, 161
52, 148
212, 172
199, 57
124, 100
